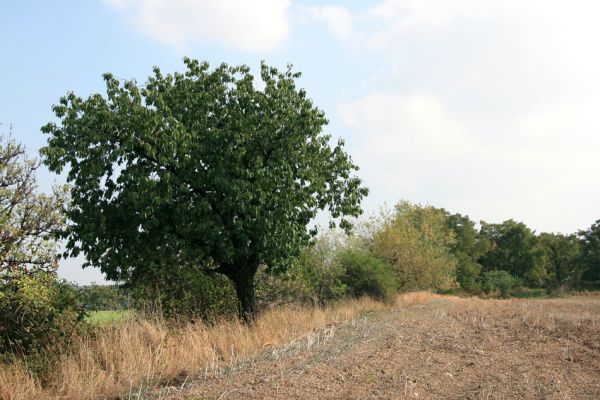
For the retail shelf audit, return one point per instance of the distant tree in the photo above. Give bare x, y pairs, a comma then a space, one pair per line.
198, 170
467, 249
513, 249
561, 257
416, 242
590, 249
103, 297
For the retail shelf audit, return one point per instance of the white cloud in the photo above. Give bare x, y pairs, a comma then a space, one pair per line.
401, 141
255, 26
416, 122
541, 171
483, 107
378, 26
337, 18
434, 13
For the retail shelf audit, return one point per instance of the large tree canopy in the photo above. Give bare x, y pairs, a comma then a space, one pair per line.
198, 169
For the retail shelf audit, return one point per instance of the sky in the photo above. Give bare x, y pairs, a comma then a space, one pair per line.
489, 108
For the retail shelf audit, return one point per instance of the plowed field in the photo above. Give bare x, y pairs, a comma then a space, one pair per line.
449, 348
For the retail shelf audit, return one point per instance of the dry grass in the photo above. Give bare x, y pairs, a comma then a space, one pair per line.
558, 316
407, 300
126, 358
17, 384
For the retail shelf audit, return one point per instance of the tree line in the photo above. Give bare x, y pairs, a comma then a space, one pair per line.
421, 247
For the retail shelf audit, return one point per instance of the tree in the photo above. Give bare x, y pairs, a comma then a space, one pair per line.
198, 170
416, 242
590, 249
561, 256
467, 249
513, 249
35, 308
29, 221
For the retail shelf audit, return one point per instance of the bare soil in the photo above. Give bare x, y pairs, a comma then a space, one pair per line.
449, 348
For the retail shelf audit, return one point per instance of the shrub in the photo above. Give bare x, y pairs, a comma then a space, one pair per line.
314, 277
36, 311
498, 280
184, 294
275, 289
364, 274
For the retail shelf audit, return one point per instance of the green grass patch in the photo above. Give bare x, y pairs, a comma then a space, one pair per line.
108, 317
530, 293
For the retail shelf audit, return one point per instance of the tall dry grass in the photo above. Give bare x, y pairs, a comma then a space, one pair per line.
123, 358
16, 383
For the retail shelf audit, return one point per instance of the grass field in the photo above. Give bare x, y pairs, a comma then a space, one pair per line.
133, 358
107, 317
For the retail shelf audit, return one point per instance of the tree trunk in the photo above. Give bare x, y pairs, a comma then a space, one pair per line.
244, 287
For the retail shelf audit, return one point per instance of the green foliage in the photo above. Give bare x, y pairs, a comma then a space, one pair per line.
328, 270
529, 293
103, 297
590, 253
366, 275
513, 250
498, 280
198, 170
184, 294
416, 242
467, 275
467, 249
561, 256
37, 311
315, 277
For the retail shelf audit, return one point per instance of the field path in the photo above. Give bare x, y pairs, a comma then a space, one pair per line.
446, 349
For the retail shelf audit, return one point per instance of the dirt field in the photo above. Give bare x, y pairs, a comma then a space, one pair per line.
447, 348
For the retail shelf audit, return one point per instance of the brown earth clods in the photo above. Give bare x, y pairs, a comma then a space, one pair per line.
449, 348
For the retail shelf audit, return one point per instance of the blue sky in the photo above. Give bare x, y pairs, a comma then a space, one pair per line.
488, 108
